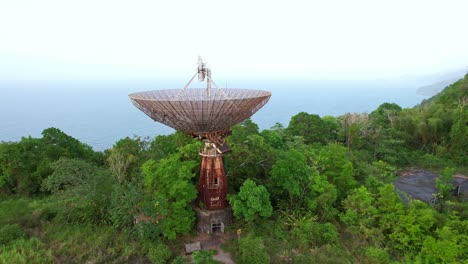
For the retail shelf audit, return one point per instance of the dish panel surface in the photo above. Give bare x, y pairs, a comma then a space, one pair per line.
196, 111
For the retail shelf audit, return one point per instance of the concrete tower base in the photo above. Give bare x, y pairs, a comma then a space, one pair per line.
213, 221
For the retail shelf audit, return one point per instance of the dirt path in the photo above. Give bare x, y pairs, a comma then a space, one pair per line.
214, 242
223, 257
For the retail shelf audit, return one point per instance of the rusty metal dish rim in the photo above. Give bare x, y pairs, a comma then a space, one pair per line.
246, 95
202, 112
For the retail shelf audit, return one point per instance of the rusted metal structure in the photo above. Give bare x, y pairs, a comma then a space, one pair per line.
207, 114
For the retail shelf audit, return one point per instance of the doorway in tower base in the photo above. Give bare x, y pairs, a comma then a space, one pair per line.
217, 227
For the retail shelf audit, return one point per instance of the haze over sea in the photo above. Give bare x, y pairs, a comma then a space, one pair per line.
99, 112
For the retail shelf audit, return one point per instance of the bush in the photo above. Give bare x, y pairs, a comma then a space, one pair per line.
147, 232
27, 213
179, 260
309, 233
159, 253
204, 257
325, 254
87, 202
10, 233
82, 243
126, 203
444, 183
430, 161
48, 213
25, 251
252, 251
251, 202
377, 255
15, 211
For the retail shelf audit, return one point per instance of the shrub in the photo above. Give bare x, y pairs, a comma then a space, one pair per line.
444, 183
309, 233
252, 251
15, 211
10, 233
25, 251
204, 257
48, 213
82, 243
179, 260
251, 202
159, 253
325, 254
147, 232
377, 255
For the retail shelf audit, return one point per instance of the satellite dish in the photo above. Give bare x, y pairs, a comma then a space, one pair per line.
200, 112
209, 116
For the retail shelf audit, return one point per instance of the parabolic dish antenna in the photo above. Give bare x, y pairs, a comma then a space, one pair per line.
194, 111
200, 111
207, 114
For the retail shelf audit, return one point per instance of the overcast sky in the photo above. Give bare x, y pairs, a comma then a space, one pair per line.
90, 39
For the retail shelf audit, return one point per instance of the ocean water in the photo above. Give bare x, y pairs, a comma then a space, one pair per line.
99, 112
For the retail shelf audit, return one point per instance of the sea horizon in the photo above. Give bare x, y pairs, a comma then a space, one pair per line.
99, 113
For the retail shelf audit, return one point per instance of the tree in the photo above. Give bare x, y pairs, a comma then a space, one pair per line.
119, 164
390, 208
359, 210
83, 191
251, 201
439, 251
128, 201
274, 136
68, 173
250, 157
309, 233
25, 164
331, 127
169, 182
444, 182
449, 244
412, 227
74, 148
12, 169
165, 145
241, 131
333, 164
385, 115
126, 157
378, 174
292, 175
353, 128
459, 134
309, 126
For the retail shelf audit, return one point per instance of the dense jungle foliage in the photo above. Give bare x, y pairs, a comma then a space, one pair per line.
317, 191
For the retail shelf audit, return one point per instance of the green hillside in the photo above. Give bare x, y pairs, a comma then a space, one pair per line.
317, 191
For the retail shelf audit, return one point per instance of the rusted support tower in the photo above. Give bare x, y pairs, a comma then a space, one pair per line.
212, 184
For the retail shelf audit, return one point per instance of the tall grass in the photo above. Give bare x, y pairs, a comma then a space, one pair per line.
25, 251
81, 243
34, 235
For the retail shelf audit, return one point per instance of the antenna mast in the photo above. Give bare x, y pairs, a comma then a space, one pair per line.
204, 72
